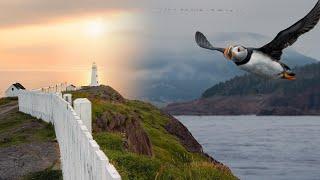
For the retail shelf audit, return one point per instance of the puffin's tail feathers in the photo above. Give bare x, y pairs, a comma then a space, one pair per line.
203, 42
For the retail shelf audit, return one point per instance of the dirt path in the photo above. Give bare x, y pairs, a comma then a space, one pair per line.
8, 107
17, 161
26, 144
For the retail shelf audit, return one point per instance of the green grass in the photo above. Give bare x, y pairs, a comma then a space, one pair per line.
47, 174
17, 128
4, 101
129, 165
171, 160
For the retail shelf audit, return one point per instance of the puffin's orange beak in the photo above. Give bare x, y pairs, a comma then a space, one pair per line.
228, 53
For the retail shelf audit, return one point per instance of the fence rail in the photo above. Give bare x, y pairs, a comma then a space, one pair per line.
81, 156
62, 87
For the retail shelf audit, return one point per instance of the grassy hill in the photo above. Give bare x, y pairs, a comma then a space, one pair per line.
145, 143
140, 140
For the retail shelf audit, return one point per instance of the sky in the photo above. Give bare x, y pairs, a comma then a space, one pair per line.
59, 40
172, 57
256, 16
43, 42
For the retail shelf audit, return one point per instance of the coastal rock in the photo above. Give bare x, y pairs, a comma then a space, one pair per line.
137, 139
176, 128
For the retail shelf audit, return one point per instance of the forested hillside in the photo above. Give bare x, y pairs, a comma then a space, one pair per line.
307, 76
250, 94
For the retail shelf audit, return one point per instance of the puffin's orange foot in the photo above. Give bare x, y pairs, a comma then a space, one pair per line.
287, 76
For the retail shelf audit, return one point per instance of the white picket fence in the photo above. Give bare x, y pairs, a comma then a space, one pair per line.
62, 87
81, 156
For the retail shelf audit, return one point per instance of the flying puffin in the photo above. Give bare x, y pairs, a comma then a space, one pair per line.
265, 61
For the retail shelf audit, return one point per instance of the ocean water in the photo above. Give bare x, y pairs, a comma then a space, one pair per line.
261, 148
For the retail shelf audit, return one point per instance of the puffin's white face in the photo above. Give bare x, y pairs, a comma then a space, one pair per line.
236, 53
239, 53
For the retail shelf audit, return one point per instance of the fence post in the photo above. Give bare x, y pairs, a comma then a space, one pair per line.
83, 108
68, 98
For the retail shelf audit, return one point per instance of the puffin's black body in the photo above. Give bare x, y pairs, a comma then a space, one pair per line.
265, 61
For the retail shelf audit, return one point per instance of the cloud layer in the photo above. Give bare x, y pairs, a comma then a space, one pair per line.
17, 12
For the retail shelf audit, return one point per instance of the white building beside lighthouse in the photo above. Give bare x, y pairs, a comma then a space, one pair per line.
13, 90
94, 75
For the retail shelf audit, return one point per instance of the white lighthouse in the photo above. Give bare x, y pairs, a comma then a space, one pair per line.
94, 75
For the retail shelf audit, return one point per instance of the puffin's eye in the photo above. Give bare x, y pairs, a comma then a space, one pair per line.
239, 49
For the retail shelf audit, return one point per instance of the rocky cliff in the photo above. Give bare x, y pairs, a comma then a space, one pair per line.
145, 143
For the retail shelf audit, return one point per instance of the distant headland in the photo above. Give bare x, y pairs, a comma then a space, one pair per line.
251, 95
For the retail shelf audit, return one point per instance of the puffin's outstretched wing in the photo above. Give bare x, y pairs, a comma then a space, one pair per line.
204, 43
290, 35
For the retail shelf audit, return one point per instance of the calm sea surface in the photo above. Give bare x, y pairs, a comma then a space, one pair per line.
261, 148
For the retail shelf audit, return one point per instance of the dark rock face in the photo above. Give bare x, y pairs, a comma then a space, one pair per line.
177, 129
137, 139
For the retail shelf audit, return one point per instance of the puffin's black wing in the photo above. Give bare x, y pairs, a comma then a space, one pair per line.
204, 43
290, 35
